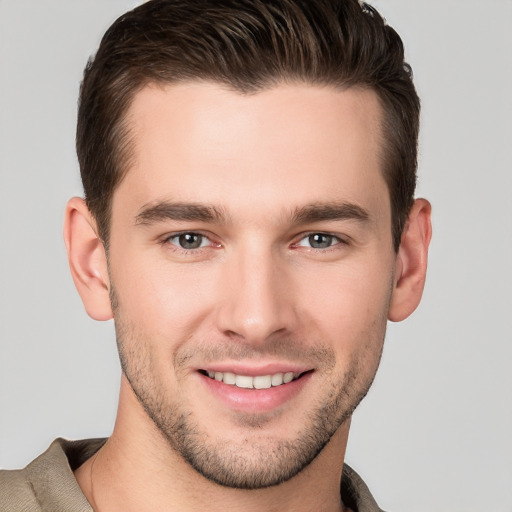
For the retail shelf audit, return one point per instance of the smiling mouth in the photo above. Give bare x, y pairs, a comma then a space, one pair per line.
257, 382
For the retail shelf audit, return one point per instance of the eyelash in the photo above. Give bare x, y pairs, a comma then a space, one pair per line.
334, 242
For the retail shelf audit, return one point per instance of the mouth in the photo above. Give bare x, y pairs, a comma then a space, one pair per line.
250, 390
254, 382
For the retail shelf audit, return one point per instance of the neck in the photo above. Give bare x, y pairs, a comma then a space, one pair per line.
142, 472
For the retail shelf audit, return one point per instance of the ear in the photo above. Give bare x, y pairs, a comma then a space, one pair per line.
411, 262
87, 259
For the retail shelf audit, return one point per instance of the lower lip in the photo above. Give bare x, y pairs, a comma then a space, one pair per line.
255, 400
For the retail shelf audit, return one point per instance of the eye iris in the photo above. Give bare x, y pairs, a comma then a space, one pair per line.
320, 241
190, 240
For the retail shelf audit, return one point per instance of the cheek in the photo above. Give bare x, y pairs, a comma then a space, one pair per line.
347, 303
162, 299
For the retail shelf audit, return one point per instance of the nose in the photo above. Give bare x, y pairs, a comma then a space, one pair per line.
258, 297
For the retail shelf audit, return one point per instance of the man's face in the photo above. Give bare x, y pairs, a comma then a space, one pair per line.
251, 265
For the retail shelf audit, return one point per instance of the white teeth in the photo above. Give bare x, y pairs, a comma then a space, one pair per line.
277, 379
244, 381
258, 382
229, 378
262, 382
287, 377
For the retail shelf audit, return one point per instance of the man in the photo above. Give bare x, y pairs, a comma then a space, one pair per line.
249, 222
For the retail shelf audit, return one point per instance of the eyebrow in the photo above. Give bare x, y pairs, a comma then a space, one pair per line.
165, 210
311, 213
319, 212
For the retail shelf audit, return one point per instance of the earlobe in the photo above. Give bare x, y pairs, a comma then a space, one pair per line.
87, 259
411, 263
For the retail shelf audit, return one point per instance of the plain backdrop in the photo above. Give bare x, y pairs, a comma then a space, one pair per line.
435, 432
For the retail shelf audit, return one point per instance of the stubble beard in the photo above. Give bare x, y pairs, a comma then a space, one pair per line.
258, 461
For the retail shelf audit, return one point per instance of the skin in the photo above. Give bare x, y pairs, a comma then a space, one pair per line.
257, 295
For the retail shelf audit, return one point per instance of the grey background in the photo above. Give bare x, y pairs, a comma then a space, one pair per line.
435, 432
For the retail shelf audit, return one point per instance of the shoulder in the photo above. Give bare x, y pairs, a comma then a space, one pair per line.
16, 493
47, 483
355, 493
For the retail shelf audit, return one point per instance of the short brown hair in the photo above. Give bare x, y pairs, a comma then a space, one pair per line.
248, 45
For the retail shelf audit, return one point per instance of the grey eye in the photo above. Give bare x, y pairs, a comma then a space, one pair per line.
320, 240
190, 240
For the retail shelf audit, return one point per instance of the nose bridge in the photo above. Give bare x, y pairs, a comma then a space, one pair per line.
256, 299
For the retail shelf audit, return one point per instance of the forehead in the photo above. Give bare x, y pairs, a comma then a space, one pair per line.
283, 147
